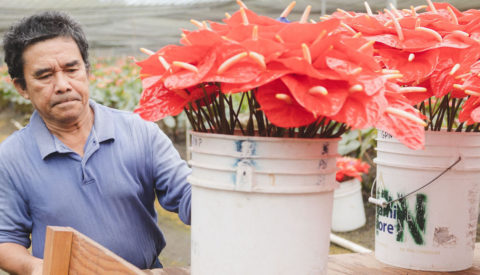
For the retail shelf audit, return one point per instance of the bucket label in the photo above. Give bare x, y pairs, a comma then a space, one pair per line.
384, 135
246, 148
196, 141
244, 165
398, 219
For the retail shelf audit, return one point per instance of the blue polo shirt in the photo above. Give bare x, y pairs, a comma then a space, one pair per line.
107, 195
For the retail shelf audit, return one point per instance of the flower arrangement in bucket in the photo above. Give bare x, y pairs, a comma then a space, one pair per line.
350, 168
301, 85
348, 212
435, 55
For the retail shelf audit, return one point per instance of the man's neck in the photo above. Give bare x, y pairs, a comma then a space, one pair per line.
73, 134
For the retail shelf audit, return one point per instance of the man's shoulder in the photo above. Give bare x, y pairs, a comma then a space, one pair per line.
14, 144
127, 116
128, 121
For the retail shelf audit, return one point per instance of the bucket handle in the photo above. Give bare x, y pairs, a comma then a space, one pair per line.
383, 203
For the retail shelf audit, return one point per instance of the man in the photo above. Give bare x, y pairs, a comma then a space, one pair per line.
78, 163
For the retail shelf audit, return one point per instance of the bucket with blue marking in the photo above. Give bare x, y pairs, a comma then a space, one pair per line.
261, 205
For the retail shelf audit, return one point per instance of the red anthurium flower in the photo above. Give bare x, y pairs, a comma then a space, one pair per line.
443, 6
179, 66
240, 32
280, 107
413, 40
366, 24
414, 95
158, 102
452, 63
413, 67
441, 82
152, 66
295, 34
360, 110
346, 59
401, 120
181, 77
219, 28
233, 65
201, 38
470, 111
253, 18
475, 68
458, 40
150, 81
274, 71
269, 49
471, 83
349, 168
469, 17
307, 92
471, 21
404, 130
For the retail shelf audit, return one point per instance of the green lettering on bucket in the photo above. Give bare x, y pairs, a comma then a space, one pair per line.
415, 221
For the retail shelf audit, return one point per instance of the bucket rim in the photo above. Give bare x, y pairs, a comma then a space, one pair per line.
443, 132
260, 138
304, 189
264, 157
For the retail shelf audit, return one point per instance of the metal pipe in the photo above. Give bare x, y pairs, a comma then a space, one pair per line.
348, 244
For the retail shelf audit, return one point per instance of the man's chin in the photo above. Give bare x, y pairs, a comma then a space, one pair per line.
68, 112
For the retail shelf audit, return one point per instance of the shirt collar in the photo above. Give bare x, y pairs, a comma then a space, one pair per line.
103, 124
103, 127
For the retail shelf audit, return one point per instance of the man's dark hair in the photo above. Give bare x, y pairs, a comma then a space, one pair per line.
37, 28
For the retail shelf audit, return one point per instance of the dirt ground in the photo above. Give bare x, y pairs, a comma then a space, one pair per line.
177, 251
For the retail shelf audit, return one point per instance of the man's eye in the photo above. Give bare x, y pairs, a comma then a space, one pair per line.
72, 70
45, 76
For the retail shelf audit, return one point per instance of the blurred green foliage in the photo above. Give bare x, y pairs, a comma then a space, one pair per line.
361, 144
115, 82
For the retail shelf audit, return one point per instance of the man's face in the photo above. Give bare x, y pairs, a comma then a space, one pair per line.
57, 80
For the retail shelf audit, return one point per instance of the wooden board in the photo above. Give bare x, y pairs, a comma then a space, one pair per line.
68, 251
58, 244
365, 263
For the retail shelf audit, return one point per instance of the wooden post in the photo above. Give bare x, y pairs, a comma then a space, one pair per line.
56, 255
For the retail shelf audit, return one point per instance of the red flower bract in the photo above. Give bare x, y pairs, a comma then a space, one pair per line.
283, 111
349, 168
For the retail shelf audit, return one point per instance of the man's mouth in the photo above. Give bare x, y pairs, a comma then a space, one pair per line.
66, 100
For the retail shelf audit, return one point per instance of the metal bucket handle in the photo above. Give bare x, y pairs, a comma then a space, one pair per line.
383, 203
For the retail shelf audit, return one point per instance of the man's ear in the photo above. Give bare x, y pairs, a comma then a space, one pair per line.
21, 87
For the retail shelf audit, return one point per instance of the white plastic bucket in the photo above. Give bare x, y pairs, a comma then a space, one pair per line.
261, 205
435, 228
348, 212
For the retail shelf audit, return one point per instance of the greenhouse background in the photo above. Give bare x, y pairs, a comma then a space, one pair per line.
120, 27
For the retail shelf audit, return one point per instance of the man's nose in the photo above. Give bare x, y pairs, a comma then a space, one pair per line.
62, 83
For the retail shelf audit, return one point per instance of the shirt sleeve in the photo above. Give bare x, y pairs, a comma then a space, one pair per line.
170, 173
15, 220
